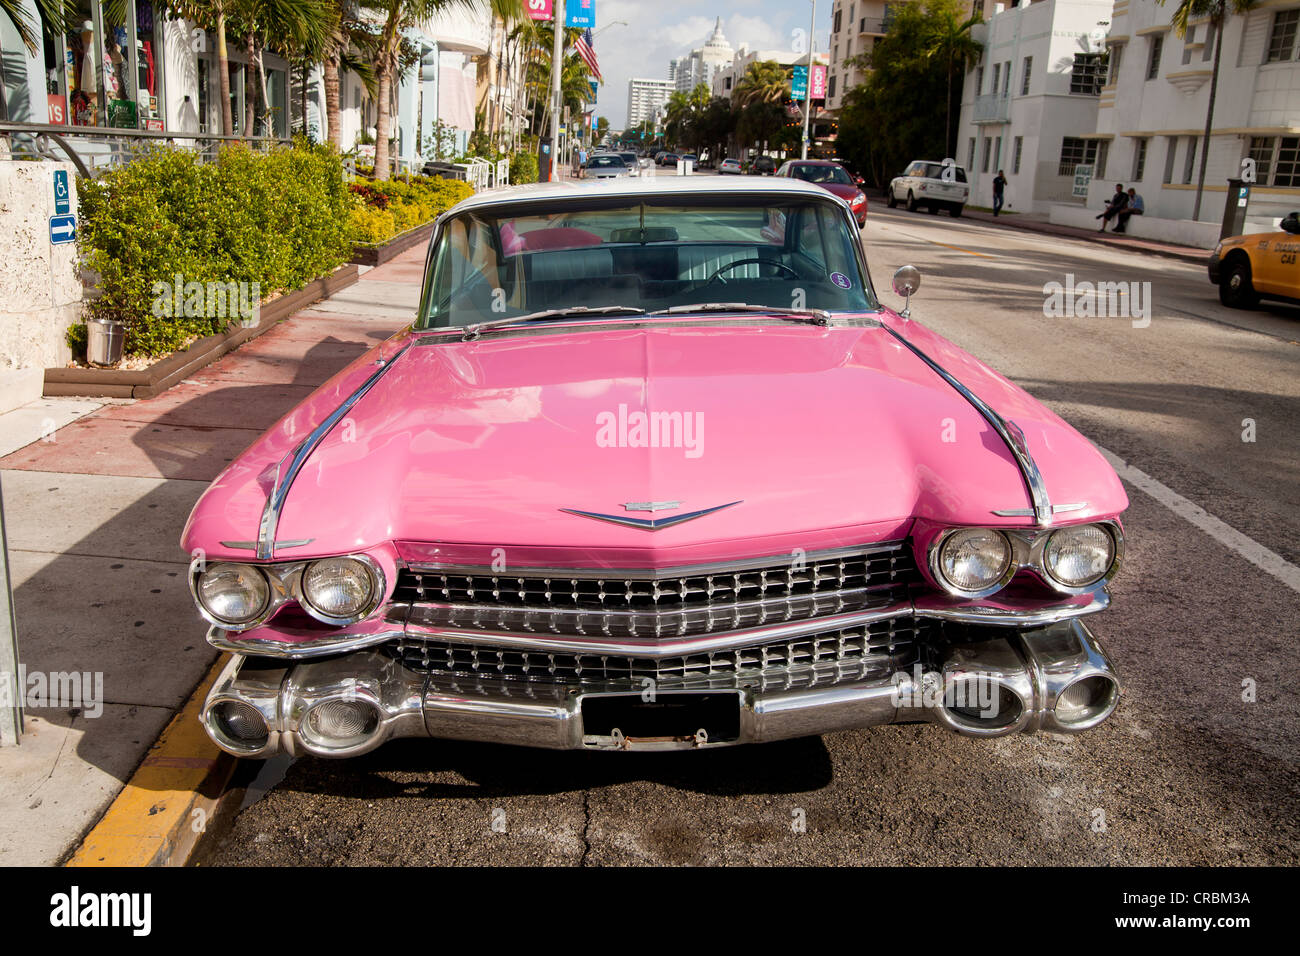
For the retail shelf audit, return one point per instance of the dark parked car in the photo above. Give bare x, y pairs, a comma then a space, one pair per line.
763, 166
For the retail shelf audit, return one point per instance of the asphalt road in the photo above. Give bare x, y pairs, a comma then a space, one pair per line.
1186, 772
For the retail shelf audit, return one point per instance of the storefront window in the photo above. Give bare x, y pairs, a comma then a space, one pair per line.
83, 76
148, 52
121, 109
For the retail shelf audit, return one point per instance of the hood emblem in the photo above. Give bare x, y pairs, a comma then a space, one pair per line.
649, 524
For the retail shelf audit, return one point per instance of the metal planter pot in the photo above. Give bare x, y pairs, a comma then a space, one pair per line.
104, 341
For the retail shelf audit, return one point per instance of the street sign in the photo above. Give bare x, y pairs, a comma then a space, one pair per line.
62, 199
63, 229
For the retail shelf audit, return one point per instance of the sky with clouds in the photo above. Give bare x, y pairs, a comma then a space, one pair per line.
660, 30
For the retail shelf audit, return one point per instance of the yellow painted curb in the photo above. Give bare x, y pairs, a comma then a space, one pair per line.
162, 811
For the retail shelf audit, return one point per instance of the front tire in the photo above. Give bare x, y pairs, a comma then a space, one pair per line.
912, 204
955, 210
1235, 288
892, 201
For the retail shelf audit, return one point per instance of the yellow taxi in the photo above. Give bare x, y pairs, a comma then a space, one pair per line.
1258, 266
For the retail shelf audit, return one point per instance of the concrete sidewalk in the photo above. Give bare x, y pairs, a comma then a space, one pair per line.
1028, 223
96, 493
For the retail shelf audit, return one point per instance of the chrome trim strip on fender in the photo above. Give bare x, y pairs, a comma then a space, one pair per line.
1008, 431
284, 477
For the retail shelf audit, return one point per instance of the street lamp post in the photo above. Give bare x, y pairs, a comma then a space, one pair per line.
557, 67
807, 91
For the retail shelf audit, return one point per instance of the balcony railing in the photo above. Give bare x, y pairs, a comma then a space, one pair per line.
993, 108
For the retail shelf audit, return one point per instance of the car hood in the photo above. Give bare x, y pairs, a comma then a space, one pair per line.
841, 190
820, 437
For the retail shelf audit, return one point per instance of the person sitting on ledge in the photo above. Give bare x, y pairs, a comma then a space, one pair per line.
1134, 207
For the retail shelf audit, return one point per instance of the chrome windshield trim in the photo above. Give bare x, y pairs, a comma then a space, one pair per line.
1008, 431
289, 466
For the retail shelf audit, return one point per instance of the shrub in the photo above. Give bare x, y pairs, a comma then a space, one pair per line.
523, 168
403, 205
277, 219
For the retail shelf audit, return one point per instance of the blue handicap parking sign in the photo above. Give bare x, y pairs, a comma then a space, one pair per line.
62, 198
63, 229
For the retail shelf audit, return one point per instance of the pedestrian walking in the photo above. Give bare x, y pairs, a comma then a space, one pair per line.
1117, 202
999, 184
1134, 207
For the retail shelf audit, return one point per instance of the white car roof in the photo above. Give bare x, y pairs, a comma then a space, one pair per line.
636, 188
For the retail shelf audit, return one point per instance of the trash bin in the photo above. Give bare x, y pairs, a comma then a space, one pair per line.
104, 341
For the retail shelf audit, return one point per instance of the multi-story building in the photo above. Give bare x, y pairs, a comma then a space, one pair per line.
725, 80
1030, 104
701, 64
856, 27
154, 73
645, 98
1153, 104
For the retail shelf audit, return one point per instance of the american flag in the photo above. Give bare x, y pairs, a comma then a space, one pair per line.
588, 52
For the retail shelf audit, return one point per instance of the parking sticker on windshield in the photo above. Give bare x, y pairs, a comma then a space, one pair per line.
841, 280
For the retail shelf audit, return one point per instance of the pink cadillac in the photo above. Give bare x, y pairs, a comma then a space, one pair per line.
653, 468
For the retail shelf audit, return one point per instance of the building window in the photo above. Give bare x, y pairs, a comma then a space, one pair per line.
1277, 160
1139, 159
1089, 74
1006, 78
1153, 57
1188, 41
1075, 152
997, 73
1116, 54
1208, 53
830, 87
1024, 77
979, 80
988, 148
1281, 42
997, 153
836, 28
970, 154
1015, 159
1189, 162
1169, 159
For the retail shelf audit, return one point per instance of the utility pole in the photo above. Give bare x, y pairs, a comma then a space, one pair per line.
807, 89
557, 67
11, 689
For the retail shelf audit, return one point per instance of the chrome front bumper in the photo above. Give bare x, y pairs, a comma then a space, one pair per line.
1028, 672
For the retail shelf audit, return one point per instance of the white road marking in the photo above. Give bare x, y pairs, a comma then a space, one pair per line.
1225, 534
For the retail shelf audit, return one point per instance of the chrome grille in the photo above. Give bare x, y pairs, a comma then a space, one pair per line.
863, 652
679, 602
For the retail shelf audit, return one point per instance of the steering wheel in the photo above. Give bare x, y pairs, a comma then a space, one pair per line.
727, 267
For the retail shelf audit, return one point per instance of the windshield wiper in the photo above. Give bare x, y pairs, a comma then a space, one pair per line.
813, 316
475, 330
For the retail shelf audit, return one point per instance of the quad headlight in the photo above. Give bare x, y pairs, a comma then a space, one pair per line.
1079, 556
338, 588
233, 594
974, 561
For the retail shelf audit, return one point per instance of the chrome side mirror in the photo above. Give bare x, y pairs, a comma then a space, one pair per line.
906, 281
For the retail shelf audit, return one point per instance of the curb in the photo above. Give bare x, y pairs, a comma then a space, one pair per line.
378, 255
163, 811
1192, 255
162, 375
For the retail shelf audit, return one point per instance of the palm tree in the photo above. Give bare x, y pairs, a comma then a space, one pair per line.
395, 17
1218, 12
764, 82
54, 13
284, 26
951, 42
211, 15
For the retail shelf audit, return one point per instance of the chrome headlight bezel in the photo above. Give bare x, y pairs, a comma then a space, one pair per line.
196, 577
376, 590
936, 563
284, 580
1027, 554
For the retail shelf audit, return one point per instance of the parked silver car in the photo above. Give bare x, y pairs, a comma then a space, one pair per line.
605, 166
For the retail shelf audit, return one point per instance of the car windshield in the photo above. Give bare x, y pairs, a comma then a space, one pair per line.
629, 158
822, 174
514, 259
596, 162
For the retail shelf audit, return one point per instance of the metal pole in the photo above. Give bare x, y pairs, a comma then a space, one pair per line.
11, 691
557, 67
807, 91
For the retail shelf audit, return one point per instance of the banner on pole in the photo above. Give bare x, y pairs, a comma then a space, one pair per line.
540, 10
580, 13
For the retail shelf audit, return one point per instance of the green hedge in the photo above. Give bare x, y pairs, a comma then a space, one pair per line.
386, 209
278, 219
